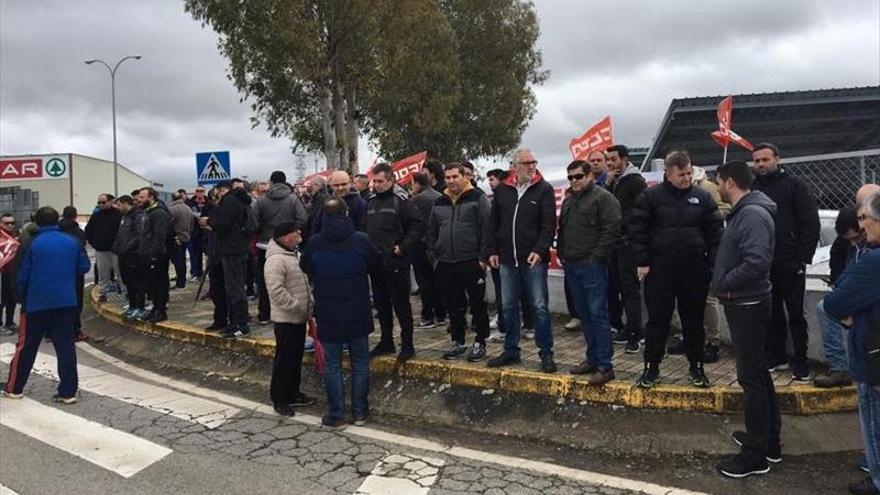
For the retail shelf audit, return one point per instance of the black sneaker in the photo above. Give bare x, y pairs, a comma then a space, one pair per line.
649, 377
440, 321
478, 352
457, 350
406, 354
302, 400
236, 332
285, 410
633, 347
217, 327
800, 372
548, 365
740, 466
157, 317
503, 359
864, 487
711, 353
425, 324
698, 376
382, 350
774, 453
620, 338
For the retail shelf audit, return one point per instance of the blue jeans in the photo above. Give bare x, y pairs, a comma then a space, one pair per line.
832, 339
359, 352
869, 417
515, 280
588, 283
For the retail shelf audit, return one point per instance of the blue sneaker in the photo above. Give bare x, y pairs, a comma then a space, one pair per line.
863, 463
310, 344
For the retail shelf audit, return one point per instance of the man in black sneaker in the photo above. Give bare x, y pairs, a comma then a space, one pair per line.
588, 229
674, 234
742, 283
797, 235
458, 245
395, 226
153, 249
433, 308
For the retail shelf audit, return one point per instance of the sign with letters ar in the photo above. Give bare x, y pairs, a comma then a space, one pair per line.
212, 167
34, 167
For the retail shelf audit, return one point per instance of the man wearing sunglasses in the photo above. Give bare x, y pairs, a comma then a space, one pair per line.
7, 281
589, 223
101, 233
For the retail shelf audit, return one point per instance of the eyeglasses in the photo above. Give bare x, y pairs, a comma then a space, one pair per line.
9, 223
576, 177
101, 202
863, 217
200, 190
529, 162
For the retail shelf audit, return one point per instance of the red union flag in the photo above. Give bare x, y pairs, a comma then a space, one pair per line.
8, 248
404, 169
724, 135
599, 137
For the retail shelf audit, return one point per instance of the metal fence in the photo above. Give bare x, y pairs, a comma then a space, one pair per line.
836, 177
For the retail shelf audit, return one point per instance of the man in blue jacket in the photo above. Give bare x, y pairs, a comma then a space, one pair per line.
855, 301
47, 281
338, 260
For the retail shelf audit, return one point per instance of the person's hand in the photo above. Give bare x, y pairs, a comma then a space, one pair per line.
482, 266
494, 261
847, 322
397, 251
643, 272
203, 222
533, 259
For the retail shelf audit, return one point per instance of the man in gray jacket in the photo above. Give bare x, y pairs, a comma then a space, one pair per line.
458, 243
279, 205
181, 222
742, 282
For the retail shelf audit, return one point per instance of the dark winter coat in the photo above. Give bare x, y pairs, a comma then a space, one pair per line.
672, 226
227, 222
277, 206
357, 211
338, 261
153, 240
102, 228
393, 221
745, 254
626, 189
520, 226
71, 227
129, 232
424, 201
459, 231
589, 225
797, 218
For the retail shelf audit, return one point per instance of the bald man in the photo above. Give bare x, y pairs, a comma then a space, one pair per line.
865, 191
340, 184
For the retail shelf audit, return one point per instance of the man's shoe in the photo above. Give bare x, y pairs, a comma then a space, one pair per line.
216, 327
774, 453
863, 462
382, 350
493, 324
633, 347
440, 321
800, 372
156, 317
496, 336
10, 395
698, 376
332, 424
583, 369
864, 487
777, 366
285, 410
406, 354
6, 331
309, 346
64, 400
457, 350
528, 333
834, 378
740, 466
80, 337
573, 325
425, 324
599, 377
503, 359
548, 365
303, 400
620, 338
361, 420
649, 377
236, 332
478, 352
265, 321
711, 353
676, 349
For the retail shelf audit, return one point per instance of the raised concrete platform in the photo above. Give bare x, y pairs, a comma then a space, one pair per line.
674, 393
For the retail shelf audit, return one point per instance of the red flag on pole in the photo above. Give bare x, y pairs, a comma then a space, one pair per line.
405, 168
599, 137
8, 248
724, 135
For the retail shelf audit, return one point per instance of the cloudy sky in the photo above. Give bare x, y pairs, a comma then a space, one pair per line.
625, 58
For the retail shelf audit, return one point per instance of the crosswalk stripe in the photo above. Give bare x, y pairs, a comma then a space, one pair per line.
422, 473
5, 490
114, 450
208, 413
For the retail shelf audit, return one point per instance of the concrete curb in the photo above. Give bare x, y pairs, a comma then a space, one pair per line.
799, 400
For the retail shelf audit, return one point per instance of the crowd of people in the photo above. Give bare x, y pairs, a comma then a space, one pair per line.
345, 248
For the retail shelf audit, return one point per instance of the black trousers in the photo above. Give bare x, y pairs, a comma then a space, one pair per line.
464, 284
624, 293
134, 276
80, 286
789, 289
263, 311
748, 329
250, 275
433, 306
178, 259
391, 296
666, 287
157, 276
7, 298
218, 294
525, 306
234, 268
290, 339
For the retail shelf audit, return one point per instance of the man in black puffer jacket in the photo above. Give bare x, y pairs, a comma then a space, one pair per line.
674, 234
797, 235
130, 263
153, 249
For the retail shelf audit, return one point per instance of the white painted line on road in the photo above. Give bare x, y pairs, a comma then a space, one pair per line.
409, 442
5, 490
208, 413
402, 475
114, 450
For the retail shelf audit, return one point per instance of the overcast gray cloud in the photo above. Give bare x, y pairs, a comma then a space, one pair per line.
626, 59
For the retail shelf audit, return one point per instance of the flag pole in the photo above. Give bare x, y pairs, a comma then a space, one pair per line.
724, 160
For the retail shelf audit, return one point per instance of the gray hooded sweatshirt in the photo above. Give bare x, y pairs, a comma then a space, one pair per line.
277, 206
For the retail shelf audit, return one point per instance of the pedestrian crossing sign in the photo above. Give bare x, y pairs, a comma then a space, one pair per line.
212, 167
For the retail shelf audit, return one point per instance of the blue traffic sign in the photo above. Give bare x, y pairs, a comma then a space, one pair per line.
212, 167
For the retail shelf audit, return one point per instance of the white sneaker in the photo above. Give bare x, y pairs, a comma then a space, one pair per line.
493, 325
573, 324
496, 336
528, 333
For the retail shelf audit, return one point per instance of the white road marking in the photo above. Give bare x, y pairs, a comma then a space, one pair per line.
580, 475
208, 413
5, 490
114, 450
402, 475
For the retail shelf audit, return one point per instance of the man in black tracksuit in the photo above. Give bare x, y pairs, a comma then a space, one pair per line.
433, 307
153, 249
797, 235
130, 263
395, 226
229, 225
674, 234
458, 244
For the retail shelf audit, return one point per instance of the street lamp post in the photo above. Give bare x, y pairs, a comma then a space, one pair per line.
113, 102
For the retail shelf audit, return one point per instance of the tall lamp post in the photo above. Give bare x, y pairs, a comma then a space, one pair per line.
113, 99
